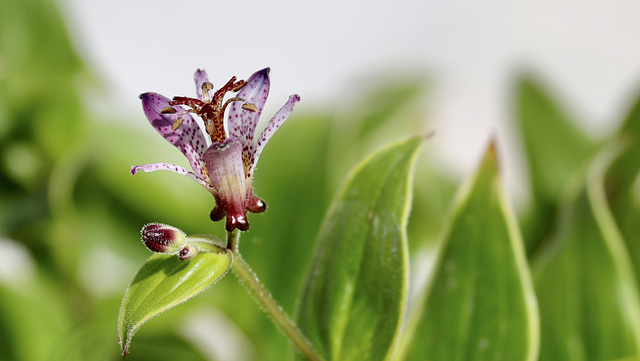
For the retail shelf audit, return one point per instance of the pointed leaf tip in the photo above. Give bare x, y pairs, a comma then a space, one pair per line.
491, 149
491, 156
554, 146
480, 304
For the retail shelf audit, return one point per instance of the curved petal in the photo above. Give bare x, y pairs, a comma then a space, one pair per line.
200, 77
270, 129
188, 137
242, 123
226, 170
170, 167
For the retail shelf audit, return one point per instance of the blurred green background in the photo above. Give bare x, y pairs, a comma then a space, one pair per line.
70, 213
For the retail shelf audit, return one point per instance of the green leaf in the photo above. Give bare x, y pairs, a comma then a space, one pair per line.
555, 146
587, 292
354, 296
481, 304
622, 184
555, 149
164, 282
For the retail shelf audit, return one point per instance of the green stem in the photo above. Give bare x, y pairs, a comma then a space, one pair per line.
266, 301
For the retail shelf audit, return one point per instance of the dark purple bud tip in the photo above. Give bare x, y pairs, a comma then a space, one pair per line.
217, 213
162, 238
256, 205
237, 221
188, 252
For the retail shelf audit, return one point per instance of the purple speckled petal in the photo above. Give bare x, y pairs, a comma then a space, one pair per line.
170, 167
188, 137
242, 123
200, 77
270, 129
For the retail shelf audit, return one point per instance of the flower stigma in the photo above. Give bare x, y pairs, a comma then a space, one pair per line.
211, 110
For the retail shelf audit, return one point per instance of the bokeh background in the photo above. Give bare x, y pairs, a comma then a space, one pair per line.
331, 52
367, 72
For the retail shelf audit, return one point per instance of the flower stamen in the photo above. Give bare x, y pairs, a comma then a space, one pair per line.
206, 86
177, 123
168, 110
250, 107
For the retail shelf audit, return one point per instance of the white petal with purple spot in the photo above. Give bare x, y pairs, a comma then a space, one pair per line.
242, 123
188, 137
271, 128
170, 167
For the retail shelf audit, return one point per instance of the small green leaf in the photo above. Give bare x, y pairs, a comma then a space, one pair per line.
480, 304
164, 282
587, 292
354, 297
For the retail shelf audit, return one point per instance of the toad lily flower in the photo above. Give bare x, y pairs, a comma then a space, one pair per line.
225, 167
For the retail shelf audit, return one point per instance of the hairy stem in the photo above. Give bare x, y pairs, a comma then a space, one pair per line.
266, 301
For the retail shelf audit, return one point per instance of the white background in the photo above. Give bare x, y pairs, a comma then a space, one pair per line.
587, 52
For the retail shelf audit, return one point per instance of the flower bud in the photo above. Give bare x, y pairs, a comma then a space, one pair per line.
163, 238
188, 252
